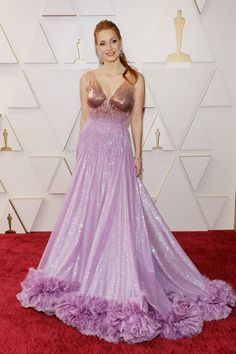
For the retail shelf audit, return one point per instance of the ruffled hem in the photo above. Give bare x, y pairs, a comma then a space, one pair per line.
115, 321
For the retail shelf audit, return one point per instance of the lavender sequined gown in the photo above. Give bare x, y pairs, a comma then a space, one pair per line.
111, 267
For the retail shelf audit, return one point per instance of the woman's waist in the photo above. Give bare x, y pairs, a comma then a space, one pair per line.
108, 124
108, 118
105, 129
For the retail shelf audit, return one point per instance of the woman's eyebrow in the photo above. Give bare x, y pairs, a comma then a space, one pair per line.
103, 40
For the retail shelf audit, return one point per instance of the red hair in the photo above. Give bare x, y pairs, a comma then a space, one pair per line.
104, 25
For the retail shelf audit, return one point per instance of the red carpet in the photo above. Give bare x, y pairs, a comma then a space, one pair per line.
28, 331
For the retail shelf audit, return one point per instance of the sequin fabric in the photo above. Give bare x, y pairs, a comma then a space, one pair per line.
112, 268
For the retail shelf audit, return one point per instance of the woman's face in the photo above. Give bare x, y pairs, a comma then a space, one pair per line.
108, 45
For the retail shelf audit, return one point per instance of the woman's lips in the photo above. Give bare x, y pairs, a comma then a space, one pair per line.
110, 54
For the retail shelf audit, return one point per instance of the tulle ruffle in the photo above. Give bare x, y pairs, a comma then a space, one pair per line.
43, 292
115, 321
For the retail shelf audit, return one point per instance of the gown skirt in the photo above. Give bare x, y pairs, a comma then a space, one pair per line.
111, 267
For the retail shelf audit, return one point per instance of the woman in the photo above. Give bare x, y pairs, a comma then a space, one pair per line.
111, 267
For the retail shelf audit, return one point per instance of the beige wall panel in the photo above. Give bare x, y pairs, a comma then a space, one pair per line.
22, 95
156, 165
48, 213
45, 168
212, 207
196, 137
171, 89
58, 94
195, 167
17, 175
34, 131
7, 54
27, 209
216, 94
58, 8
177, 191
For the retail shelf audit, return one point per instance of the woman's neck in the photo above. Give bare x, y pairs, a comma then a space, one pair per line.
113, 68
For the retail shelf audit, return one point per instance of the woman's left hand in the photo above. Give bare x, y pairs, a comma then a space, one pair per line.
138, 167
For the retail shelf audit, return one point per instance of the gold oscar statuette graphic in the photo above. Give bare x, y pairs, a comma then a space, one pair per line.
9, 220
179, 23
79, 59
157, 147
5, 137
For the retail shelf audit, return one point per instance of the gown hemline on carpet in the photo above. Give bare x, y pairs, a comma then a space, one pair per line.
114, 321
112, 268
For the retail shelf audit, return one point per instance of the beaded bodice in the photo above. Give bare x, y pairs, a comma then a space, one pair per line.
119, 104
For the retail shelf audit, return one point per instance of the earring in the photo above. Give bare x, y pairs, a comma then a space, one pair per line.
121, 53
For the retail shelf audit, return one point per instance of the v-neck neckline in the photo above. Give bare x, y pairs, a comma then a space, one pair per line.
107, 98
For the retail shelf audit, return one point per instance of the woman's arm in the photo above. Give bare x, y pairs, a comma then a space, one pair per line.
83, 101
136, 120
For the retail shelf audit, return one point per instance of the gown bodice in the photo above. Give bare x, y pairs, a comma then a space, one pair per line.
119, 105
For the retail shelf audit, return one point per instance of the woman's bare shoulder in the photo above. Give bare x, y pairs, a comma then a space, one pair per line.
140, 75
85, 78
85, 74
140, 80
